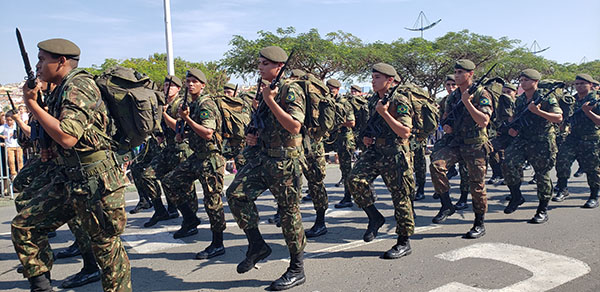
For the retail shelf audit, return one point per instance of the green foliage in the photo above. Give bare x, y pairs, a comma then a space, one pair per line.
155, 67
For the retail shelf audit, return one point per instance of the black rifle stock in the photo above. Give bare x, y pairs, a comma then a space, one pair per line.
28, 70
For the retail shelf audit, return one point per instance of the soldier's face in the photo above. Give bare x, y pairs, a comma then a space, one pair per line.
354, 92
229, 92
268, 70
528, 84
47, 67
381, 82
334, 90
195, 86
450, 86
582, 87
462, 76
509, 92
171, 91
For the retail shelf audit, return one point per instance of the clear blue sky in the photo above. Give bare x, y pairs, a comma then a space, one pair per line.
202, 29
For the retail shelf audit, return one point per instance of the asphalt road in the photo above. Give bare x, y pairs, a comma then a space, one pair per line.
561, 255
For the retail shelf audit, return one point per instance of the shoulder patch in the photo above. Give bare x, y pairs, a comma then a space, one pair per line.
484, 101
402, 109
204, 114
291, 97
552, 100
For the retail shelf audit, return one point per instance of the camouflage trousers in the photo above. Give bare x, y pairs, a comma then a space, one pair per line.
395, 167
540, 154
497, 156
58, 203
587, 153
159, 166
152, 149
283, 177
314, 171
235, 150
209, 169
345, 151
474, 157
419, 162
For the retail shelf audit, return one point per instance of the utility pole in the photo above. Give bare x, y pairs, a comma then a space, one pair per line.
169, 38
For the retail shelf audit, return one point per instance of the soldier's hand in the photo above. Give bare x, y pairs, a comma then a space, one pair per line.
586, 107
536, 109
466, 97
270, 94
368, 141
513, 132
251, 140
183, 113
31, 94
447, 129
382, 108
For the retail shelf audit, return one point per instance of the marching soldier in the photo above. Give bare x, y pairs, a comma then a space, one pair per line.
387, 154
535, 143
583, 143
468, 142
88, 177
277, 167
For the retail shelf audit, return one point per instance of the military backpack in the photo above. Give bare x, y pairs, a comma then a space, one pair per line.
134, 103
322, 112
426, 114
235, 112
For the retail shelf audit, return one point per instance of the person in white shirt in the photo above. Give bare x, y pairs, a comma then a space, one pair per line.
13, 150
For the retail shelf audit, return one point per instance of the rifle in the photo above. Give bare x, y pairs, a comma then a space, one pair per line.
235, 91
28, 70
454, 114
572, 120
372, 130
256, 121
180, 124
520, 120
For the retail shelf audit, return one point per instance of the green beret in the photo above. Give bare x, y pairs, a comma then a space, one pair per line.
298, 73
229, 86
60, 47
385, 69
510, 86
464, 64
334, 83
531, 74
356, 87
450, 77
397, 78
174, 79
197, 74
585, 77
274, 54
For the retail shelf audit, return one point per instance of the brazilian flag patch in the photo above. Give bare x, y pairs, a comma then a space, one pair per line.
290, 98
204, 114
484, 101
402, 109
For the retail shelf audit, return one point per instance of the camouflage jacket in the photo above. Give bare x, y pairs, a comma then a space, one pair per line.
539, 128
292, 100
205, 112
400, 108
581, 125
465, 129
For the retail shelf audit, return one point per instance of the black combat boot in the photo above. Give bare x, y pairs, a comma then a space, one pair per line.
478, 229
258, 250
307, 198
541, 215
420, 194
71, 251
319, 228
143, 204
294, 276
446, 210
339, 183
346, 202
160, 213
376, 220
579, 172
40, 283
592, 202
451, 172
402, 248
462, 201
516, 199
189, 224
172, 209
215, 248
562, 191
88, 274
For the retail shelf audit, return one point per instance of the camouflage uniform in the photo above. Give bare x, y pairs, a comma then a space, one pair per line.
418, 147
535, 143
206, 164
151, 149
169, 157
583, 144
469, 143
95, 184
276, 167
314, 170
346, 142
390, 157
504, 111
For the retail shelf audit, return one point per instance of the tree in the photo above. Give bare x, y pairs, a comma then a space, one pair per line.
155, 66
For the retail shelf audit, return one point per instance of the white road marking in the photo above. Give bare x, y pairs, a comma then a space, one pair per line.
549, 270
